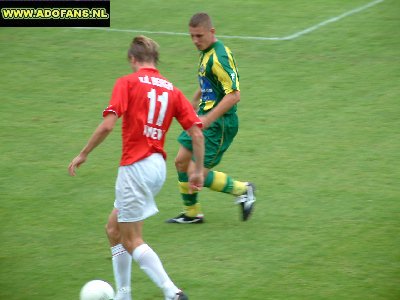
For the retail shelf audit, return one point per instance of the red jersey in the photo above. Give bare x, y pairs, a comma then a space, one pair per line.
148, 102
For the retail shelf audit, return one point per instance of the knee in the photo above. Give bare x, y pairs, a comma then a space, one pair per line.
128, 245
131, 245
181, 164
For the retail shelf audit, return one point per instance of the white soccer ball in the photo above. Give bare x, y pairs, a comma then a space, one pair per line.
97, 290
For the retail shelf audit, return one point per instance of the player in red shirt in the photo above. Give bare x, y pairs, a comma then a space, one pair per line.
147, 102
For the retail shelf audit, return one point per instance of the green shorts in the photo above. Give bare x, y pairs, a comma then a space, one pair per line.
217, 138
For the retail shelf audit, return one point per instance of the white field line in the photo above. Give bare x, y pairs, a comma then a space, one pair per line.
331, 20
259, 38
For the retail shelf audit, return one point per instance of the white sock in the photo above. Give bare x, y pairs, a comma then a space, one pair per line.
150, 263
122, 264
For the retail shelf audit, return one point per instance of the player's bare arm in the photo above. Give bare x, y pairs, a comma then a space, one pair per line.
226, 104
98, 136
196, 99
196, 178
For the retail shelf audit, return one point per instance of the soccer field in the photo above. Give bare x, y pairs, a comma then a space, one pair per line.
319, 136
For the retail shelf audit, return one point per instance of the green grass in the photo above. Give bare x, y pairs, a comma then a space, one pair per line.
319, 136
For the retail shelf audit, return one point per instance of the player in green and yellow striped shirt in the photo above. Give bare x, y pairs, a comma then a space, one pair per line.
216, 102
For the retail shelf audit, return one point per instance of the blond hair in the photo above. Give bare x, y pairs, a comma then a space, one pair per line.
144, 49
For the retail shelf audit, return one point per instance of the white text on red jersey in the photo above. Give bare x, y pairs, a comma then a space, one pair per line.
157, 82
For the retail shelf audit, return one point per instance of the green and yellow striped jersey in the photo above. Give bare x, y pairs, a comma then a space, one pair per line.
218, 76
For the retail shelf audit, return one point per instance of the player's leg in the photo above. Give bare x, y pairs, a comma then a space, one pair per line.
218, 142
112, 229
147, 259
244, 191
222, 182
218, 137
142, 181
121, 258
191, 211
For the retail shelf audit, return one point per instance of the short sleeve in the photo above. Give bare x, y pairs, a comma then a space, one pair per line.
185, 113
224, 68
119, 98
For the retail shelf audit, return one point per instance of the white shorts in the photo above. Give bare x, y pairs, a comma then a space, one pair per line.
136, 187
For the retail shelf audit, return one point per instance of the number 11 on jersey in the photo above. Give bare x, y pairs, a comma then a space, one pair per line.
163, 99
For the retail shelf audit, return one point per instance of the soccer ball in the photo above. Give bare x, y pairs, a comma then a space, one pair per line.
97, 290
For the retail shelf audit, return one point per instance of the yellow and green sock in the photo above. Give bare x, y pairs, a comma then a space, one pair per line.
221, 182
191, 206
216, 181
